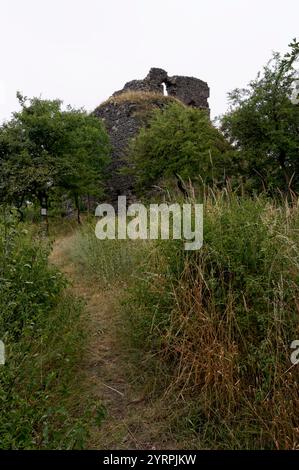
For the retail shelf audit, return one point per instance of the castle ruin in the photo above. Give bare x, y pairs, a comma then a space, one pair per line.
124, 114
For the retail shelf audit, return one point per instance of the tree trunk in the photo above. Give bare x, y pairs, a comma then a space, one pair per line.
88, 203
77, 204
282, 158
43, 201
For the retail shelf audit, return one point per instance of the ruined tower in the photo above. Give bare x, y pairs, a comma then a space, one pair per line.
126, 111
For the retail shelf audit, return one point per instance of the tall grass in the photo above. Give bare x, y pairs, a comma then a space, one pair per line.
109, 261
222, 319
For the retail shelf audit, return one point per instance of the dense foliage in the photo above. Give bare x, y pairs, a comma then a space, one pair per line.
44, 149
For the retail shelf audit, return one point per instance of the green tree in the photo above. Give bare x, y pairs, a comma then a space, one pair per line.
263, 126
179, 142
43, 148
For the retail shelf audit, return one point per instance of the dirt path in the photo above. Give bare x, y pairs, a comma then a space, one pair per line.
132, 421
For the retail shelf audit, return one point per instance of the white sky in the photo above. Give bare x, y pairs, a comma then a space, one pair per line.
83, 51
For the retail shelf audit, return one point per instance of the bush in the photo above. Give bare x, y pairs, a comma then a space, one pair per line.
180, 142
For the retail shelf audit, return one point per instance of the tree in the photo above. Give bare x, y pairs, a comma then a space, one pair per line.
263, 126
83, 167
43, 148
178, 142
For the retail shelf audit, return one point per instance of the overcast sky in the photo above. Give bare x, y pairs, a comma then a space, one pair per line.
82, 51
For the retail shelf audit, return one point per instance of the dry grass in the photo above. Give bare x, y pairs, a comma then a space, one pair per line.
140, 97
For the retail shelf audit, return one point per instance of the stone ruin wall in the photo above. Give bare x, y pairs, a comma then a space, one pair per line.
124, 118
191, 91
